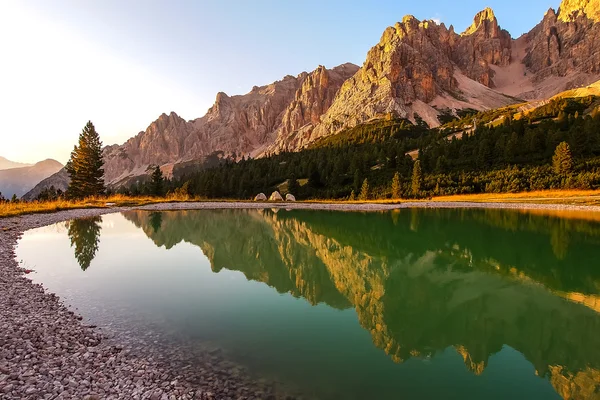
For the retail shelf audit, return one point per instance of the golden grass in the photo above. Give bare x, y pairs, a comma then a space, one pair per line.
572, 197
9, 209
567, 197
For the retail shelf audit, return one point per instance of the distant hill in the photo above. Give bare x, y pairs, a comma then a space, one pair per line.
59, 180
7, 164
20, 180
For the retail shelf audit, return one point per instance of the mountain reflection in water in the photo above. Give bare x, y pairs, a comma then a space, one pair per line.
421, 280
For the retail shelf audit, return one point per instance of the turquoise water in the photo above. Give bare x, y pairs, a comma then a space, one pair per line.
424, 304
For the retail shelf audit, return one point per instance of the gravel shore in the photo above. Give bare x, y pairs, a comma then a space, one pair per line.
47, 351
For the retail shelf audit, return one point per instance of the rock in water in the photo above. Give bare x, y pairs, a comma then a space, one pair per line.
275, 196
290, 197
260, 197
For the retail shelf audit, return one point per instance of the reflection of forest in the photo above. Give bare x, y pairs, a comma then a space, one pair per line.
85, 236
423, 280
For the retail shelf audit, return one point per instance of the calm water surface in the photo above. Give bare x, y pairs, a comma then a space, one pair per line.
418, 304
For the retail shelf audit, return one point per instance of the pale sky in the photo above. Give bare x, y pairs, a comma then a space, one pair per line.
121, 64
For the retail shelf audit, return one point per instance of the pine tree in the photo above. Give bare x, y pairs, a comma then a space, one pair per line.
416, 179
14, 198
85, 166
158, 182
364, 190
352, 196
562, 161
396, 186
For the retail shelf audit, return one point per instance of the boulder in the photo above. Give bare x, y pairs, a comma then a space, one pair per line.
290, 197
260, 197
275, 196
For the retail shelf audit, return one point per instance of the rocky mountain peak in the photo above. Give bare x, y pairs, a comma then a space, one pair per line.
570, 10
486, 20
417, 69
311, 101
563, 50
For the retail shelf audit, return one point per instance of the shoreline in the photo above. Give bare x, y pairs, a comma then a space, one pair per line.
46, 348
374, 206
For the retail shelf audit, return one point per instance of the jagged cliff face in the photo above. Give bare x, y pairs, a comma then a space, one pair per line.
245, 124
572, 9
416, 69
311, 101
233, 124
483, 44
563, 51
418, 64
161, 143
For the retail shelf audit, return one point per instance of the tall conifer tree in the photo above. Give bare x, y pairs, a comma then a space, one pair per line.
158, 181
85, 166
396, 191
416, 179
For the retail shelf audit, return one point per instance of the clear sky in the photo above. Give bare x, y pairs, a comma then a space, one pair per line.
121, 63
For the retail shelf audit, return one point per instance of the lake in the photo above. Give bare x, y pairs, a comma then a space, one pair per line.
417, 303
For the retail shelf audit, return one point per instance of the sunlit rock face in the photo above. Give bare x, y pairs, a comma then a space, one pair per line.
570, 10
416, 69
483, 44
311, 101
419, 286
414, 63
566, 44
245, 125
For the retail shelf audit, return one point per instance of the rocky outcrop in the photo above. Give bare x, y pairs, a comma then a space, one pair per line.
570, 10
565, 47
244, 125
311, 101
275, 196
415, 63
483, 44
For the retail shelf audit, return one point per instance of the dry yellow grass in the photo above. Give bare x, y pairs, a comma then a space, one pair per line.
574, 197
8, 209
568, 197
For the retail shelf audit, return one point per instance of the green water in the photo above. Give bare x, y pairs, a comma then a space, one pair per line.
417, 304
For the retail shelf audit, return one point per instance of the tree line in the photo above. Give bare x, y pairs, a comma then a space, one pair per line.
552, 147
370, 162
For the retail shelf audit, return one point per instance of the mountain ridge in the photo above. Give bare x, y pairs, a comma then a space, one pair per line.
418, 71
5, 163
20, 180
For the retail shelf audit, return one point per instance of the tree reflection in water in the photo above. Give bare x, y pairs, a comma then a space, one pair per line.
85, 236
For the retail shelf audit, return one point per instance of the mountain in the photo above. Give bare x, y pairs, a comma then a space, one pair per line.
419, 71
7, 164
244, 124
59, 180
20, 180
419, 68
